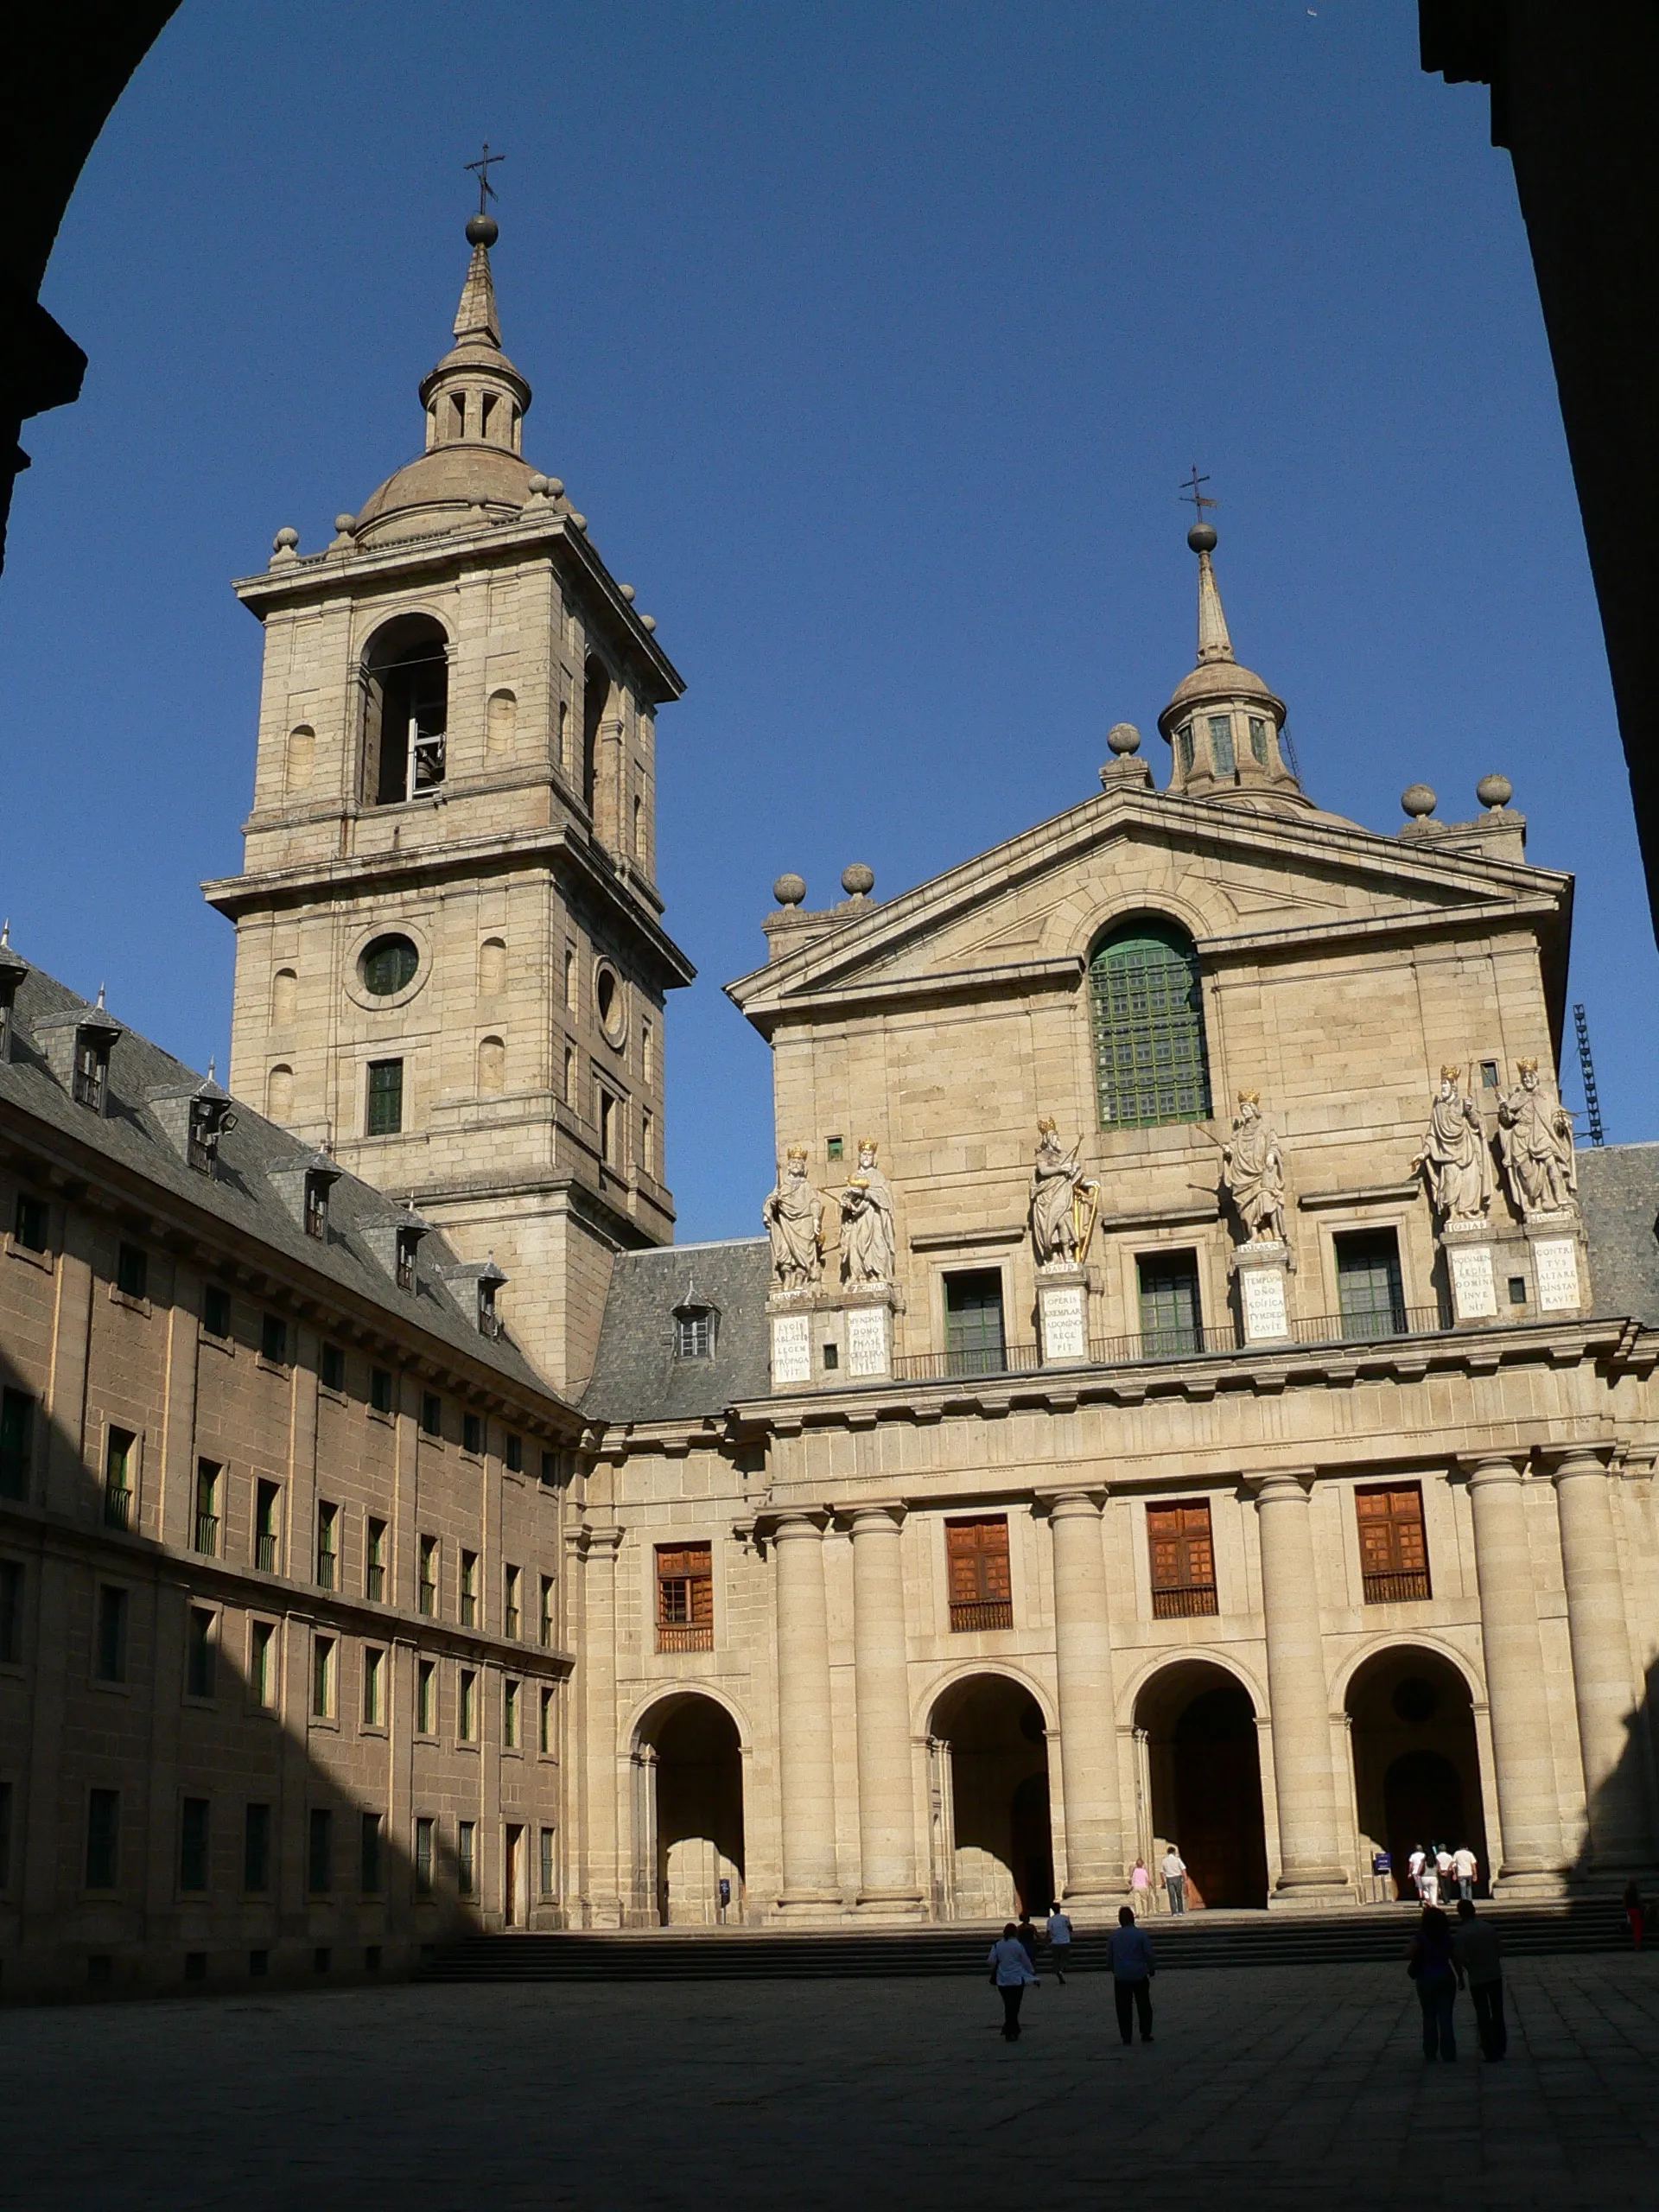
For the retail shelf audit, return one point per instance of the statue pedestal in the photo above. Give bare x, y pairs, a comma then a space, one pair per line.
1264, 1299
1063, 1315
1557, 1268
1468, 1247
823, 1338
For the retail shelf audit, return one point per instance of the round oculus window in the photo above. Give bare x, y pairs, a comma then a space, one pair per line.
388, 966
608, 1004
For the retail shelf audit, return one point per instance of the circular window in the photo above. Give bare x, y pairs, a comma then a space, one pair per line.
388, 966
1415, 1700
609, 1003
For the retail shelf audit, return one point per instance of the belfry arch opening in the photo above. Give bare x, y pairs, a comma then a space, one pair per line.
993, 1840
595, 697
405, 710
688, 1814
1417, 1760
1201, 1782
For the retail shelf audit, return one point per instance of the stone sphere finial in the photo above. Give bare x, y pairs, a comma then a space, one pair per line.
537, 486
647, 621
345, 524
857, 880
287, 539
788, 890
1123, 739
1201, 537
482, 230
626, 591
1418, 800
555, 486
1494, 791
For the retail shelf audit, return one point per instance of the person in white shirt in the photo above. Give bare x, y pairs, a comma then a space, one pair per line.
1416, 1864
1172, 1867
1011, 1970
1058, 1932
1466, 1867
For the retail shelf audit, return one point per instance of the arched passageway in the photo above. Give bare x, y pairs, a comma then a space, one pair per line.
689, 1813
1416, 1762
1203, 1782
993, 1842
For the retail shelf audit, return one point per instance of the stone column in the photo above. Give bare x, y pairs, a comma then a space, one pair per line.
1522, 1752
602, 1871
1309, 1860
1604, 1688
1082, 1653
886, 1815
806, 1748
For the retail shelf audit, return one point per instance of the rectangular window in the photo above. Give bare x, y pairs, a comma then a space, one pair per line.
472, 1433
834, 1147
1183, 747
647, 1049
408, 1260
103, 1838
549, 1606
110, 1650
199, 1653
11, 1612
328, 1557
386, 1098
1259, 741
119, 1452
431, 1414
324, 1650
1183, 1559
469, 1589
131, 1270
509, 1716
1488, 1075
262, 1664
467, 1705
973, 1323
320, 1853
30, 1223
374, 1687
1393, 1542
1369, 1295
265, 1497
273, 1339
647, 1142
982, 1585
1172, 1321
513, 1583
91, 1073
549, 1863
694, 1336
544, 1733
332, 1368
466, 1856
428, 1591
216, 1310
425, 1837
16, 1442
192, 1844
373, 1857
374, 1562
380, 1389
255, 1849
316, 1208
685, 1597
426, 1698
609, 1129
1221, 744
205, 1534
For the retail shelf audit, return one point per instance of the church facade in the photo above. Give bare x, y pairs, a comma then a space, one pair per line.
1185, 1388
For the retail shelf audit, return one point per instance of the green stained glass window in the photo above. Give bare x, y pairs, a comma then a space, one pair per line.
389, 965
1259, 739
1171, 1322
1221, 744
1146, 1007
1369, 1289
1183, 747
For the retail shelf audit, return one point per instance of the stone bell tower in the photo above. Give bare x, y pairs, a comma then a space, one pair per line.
450, 962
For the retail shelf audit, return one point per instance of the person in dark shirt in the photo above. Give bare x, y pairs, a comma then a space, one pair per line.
1431, 1965
1130, 1951
1475, 1950
1028, 1935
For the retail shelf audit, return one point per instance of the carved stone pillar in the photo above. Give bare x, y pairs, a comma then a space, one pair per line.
1604, 1687
1521, 1754
1082, 1653
887, 1811
1309, 1856
805, 1747
601, 1871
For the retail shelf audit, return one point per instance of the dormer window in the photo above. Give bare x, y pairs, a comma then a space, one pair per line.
409, 1248
694, 1331
211, 1117
92, 1070
489, 1321
316, 1206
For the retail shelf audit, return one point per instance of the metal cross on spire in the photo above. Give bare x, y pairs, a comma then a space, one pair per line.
1189, 490
482, 166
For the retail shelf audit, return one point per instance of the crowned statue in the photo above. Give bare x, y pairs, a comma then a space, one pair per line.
1455, 1158
1534, 1143
868, 1240
1063, 1202
1252, 1173
793, 1215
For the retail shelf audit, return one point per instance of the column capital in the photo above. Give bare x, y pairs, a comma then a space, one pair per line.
1559, 1460
590, 1543
1072, 1501
786, 1523
1280, 1482
886, 1515
1481, 1467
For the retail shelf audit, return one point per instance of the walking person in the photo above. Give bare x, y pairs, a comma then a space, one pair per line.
1129, 1948
1428, 1882
1636, 1913
1141, 1895
1174, 1870
1058, 1932
1431, 1965
1414, 1866
1028, 1935
1466, 1867
1445, 1869
1010, 1971
1475, 1949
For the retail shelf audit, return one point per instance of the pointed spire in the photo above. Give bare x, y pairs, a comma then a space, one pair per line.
1214, 644
476, 319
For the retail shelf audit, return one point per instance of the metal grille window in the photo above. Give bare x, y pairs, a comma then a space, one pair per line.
17, 1442
119, 1453
1369, 1294
1183, 1560
374, 1564
425, 1832
265, 1528
327, 1550
207, 1530
385, 1099
1171, 1319
685, 1597
1259, 741
466, 1856
973, 1323
981, 1587
469, 1589
549, 1863
1147, 1010
427, 1589
1393, 1543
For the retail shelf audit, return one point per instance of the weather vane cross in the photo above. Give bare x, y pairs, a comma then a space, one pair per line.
1189, 490
483, 166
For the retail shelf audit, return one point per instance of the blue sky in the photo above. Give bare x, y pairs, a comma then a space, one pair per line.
874, 341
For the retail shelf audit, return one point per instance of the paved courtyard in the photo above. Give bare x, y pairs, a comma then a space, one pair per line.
1289, 2086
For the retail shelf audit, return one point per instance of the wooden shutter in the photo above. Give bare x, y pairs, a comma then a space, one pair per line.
1183, 1560
685, 1597
1393, 1543
982, 1585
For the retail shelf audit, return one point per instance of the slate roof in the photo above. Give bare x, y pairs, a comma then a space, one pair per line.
1618, 1192
240, 1194
636, 1375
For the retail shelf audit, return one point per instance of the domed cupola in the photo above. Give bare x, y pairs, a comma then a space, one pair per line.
1223, 726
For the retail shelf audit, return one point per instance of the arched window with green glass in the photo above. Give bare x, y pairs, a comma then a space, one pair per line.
1146, 1006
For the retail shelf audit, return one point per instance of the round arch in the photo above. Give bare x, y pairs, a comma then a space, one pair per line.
1223, 1662
405, 679
688, 1757
1410, 1707
987, 1733
1433, 1647
634, 1731
1149, 1047
1196, 1729
927, 1704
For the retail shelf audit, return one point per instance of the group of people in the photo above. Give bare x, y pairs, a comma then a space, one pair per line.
1444, 1959
1014, 1967
1172, 1871
1437, 1871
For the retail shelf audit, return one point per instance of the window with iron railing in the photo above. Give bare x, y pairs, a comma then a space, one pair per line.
120, 1451
469, 1589
427, 1588
374, 1566
981, 1587
685, 1597
205, 1537
1171, 1321
974, 1338
264, 1527
1370, 1291
1393, 1542
513, 1583
1183, 1561
328, 1557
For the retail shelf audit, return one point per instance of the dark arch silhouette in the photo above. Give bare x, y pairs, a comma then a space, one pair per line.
1416, 1759
1000, 1812
691, 1821
1205, 1772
